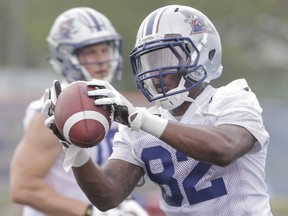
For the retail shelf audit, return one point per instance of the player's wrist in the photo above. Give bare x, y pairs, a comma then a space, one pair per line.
154, 125
81, 158
142, 119
89, 210
75, 157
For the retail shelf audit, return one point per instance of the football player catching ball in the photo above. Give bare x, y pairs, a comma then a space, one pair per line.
204, 146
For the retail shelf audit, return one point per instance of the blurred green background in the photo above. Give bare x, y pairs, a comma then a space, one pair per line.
254, 37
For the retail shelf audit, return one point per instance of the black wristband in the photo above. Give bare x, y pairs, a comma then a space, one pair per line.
88, 211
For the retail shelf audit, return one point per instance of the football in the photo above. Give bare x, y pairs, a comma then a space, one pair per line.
78, 119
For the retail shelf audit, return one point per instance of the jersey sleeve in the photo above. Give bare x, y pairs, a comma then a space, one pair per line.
123, 146
237, 104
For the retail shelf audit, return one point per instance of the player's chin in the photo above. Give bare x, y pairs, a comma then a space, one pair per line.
100, 74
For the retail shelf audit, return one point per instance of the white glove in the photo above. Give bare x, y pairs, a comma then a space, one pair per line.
106, 94
75, 156
128, 207
111, 212
125, 112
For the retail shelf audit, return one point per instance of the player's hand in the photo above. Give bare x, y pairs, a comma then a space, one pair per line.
49, 100
125, 112
128, 207
106, 94
75, 156
131, 207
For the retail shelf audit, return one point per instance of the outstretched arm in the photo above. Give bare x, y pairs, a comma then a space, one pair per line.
219, 145
106, 188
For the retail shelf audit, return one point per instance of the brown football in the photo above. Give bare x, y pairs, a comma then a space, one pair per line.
78, 119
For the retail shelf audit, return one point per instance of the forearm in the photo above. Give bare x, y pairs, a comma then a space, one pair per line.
97, 186
216, 145
196, 142
106, 188
201, 142
43, 198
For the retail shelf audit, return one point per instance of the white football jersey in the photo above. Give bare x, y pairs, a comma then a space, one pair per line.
190, 187
62, 182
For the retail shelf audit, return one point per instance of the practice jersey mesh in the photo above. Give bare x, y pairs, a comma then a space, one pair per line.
191, 187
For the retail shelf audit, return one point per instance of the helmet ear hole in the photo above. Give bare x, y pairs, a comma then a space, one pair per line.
211, 54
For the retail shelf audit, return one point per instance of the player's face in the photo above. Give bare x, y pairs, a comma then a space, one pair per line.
95, 59
170, 81
161, 66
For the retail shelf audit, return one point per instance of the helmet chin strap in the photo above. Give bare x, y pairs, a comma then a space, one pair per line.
173, 101
176, 100
199, 108
168, 104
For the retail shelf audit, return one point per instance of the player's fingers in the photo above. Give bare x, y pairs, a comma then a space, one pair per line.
95, 82
48, 108
101, 92
105, 101
100, 84
57, 88
45, 108
47, 95
49, 121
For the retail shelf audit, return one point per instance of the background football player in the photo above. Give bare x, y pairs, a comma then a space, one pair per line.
83, 45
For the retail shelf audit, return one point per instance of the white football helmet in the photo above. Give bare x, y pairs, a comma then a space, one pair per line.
77, 28
175, 40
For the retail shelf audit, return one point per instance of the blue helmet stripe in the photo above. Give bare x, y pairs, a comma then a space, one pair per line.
149, 28
97, 25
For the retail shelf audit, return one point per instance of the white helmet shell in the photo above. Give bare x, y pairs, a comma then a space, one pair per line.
190, 40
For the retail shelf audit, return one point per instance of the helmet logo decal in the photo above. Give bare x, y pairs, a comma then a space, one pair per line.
66, 28
197, 23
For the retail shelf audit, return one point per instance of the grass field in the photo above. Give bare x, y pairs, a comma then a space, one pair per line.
280, 206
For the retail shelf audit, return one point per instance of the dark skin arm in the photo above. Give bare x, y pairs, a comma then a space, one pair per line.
106, 188
218, 145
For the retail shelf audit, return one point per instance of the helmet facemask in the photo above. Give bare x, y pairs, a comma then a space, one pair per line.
111, 60
153, 61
